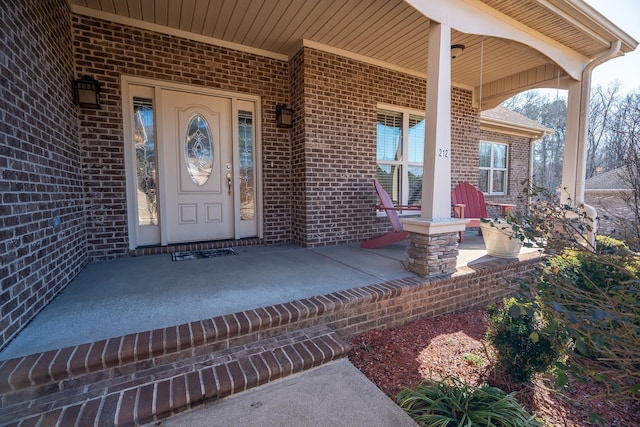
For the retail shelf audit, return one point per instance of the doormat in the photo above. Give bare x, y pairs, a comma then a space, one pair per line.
207, 253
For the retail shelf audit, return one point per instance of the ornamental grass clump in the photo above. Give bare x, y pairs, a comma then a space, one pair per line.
450, 403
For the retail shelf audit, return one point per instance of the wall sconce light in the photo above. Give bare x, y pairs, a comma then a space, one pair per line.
86, 92
456, 50
284, 116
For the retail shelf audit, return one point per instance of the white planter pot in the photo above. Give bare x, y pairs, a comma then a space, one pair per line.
497, 241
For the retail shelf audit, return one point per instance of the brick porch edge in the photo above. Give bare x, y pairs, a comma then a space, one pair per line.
147, 376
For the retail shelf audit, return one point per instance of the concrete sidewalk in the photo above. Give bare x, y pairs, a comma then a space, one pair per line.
333, 395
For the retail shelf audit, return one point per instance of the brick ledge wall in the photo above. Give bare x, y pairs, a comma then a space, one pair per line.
347, 313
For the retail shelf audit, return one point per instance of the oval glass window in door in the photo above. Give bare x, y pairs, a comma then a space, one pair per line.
198, 150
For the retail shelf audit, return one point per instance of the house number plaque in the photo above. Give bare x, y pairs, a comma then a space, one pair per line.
443, 152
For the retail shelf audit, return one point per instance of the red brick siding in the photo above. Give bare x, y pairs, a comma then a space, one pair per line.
39, 162
106, 51
334, 146
317, 188
519, 152
298, 167
465, 137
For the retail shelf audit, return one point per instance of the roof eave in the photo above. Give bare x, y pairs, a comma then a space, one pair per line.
581, 11
491, 124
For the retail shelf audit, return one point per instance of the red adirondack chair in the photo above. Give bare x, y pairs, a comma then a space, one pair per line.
468, 202
396, 234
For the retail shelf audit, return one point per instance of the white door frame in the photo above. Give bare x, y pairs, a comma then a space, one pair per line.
238, 101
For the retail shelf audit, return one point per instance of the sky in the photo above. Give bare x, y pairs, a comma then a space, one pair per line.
625, 14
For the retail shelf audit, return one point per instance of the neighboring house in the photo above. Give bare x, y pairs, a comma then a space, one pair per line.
610, 193
191, 142
506, 147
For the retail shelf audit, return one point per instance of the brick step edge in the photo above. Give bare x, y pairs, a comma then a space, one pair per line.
160, 345
170, 394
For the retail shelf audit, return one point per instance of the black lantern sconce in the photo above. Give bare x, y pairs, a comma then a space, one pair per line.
86, 92
284, 116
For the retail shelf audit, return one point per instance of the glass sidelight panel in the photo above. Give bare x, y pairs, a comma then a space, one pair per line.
143, 136
247, 177
198, 150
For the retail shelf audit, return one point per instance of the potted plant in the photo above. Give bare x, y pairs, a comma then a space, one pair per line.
503, 237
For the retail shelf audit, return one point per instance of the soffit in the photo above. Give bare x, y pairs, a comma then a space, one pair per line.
390, 31
563, 21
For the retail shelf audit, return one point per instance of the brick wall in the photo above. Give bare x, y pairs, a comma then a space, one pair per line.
316, 178
519, 154
334, 143
465, 138
106, 51
39, 162
298, 166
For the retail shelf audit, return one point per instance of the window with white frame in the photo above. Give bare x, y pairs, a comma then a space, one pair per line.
493, 168
400, 152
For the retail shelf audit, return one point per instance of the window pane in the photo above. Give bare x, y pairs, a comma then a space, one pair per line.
144, 140
415, 186
247, 183
499, 156
389, 131
485, 155
416, 138
483, 181
389, 177
198, 150
498, 181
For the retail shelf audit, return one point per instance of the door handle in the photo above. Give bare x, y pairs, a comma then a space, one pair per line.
229, 182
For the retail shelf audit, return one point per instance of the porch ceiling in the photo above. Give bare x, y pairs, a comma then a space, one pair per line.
390, 31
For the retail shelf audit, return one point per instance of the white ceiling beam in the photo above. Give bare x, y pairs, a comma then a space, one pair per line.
474, 17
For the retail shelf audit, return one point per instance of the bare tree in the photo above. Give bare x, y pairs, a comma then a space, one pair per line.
550, 149
629, 136
602, 116
550, 112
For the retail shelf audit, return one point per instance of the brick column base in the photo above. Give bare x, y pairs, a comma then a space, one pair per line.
432, 255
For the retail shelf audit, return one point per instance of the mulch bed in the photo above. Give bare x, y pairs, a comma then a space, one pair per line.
454, 345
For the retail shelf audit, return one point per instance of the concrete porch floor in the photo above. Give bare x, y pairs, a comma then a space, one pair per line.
118, 297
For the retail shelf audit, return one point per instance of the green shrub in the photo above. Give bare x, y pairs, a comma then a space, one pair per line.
525, 343
594, 293
451, 403
597, 297
611, 245
604, 271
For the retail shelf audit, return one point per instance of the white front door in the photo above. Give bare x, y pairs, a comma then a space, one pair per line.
197, 177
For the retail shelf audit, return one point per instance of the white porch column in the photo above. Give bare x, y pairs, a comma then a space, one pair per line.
574, 166
436, 180
433, 248
574, 160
